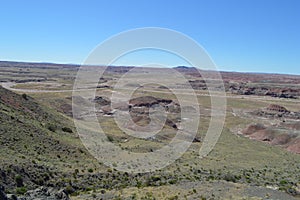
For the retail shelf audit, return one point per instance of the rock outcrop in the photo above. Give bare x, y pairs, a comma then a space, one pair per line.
277, 108
2, 193
147, 101
45, 193
243, 89
276, 111
140, 109
102, 101
286, 138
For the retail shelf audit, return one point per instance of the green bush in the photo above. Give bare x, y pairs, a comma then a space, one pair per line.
283, 182
19, 181
173, 198
21, 190
172, 182
25, 96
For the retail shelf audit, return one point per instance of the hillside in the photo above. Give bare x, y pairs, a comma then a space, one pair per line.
38, 145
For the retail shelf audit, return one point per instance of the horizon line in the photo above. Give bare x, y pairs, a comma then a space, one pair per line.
77, 64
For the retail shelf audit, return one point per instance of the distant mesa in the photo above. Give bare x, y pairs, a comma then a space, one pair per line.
183, 67
192, 71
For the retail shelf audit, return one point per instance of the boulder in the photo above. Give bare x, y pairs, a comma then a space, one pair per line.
2, 193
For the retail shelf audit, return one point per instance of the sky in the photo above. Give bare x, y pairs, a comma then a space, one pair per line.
239, 35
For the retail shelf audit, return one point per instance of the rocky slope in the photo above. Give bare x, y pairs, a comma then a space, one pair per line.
35, 143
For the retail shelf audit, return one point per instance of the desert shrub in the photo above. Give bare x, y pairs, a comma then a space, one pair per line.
21, 190
87, 189
90, 170
76, 171
46, 176
69, 190
172, 182
149, 196
118, 197
25, 96
110, 138
51, 127
102, 191
19, 181
155, 178
283, 182
67, 129
230, 178
139, 184
40, 181
133, 196
173, 198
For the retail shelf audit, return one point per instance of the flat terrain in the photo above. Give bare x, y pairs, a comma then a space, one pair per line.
256, 157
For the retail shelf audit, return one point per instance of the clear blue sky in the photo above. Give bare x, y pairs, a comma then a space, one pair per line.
240, 35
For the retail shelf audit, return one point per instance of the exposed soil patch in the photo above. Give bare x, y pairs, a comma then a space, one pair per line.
286, 138
140, 109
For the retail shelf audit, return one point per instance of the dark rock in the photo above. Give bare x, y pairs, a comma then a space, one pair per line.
2, 193
102, 101
104, 86
276, 111
61, 194
13, 197
171, 124
243, 89
196, 140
